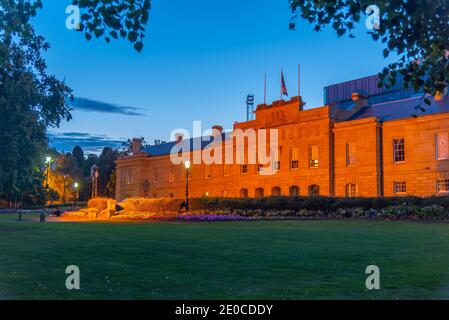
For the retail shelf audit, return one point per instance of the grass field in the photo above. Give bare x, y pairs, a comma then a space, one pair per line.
226, 260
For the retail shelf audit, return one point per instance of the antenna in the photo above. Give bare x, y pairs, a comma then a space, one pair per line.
249, 107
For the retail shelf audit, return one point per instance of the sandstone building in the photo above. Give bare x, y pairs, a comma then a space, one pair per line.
365, 141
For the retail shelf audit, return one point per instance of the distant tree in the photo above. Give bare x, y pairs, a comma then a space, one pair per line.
92, 159
31, 100
110, 187
78, 155
416, 31
106, 167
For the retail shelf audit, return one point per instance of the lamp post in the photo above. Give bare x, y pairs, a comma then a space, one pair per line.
75, 194
187, 166
47, 168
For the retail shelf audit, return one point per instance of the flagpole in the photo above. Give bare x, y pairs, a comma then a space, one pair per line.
281, 83
265, 89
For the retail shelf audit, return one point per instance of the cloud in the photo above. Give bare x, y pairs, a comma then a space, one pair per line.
90, 143
85, 104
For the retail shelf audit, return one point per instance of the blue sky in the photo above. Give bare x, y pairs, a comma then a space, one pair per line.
201, 58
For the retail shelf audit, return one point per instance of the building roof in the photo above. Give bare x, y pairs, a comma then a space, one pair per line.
401, 109
340, 95
199, 143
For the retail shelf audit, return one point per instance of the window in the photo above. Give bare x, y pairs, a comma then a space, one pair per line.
294, 158
244, 169
442, 146
243, 193
313, 155
206, 171
443, 186
224, 194
259, 193
276, 191
171, 195
171, 174
156, 175
351, 154
277, 165
398, 150
259, 167
400, 187
226, 169
128, 175
314, 190
352, 190
293, 191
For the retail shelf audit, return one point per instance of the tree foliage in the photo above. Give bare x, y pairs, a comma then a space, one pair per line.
114, 19
31, 100
416, 31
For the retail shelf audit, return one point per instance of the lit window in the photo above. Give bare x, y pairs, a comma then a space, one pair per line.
277, 165
226, 169
399, 150
259, 193
244, 168
276, 191
206, 171
443, 185
352, 190
313, 156
314, 190
225, 193
400, 187
442, 146
128, 175
293, 191
351, 154
171, 175
294, 158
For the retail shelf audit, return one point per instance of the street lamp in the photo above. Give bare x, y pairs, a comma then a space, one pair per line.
47, 168
187, 166
75, 194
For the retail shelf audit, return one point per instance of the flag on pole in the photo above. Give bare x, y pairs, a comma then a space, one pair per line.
283, 86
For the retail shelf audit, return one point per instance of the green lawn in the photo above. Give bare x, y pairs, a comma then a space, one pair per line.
241, 260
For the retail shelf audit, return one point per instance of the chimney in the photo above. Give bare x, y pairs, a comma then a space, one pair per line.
137, 145
179, 137
217, 130
360, 101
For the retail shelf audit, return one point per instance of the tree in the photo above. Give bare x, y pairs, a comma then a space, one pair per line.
106, 167
110, 187
416, 31
31, 100
78, 155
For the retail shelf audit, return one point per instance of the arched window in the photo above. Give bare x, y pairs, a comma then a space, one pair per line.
314, 190
259, 193
243, 193
225, 193
352, 190
275, 191
293, 191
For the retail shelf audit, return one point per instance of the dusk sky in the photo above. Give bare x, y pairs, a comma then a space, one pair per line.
201, 58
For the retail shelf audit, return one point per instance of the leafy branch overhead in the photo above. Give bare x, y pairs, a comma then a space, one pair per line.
113, 19
416, 31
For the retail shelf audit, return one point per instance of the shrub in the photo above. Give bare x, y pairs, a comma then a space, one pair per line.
145, 205
98, 203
